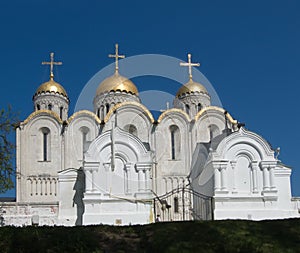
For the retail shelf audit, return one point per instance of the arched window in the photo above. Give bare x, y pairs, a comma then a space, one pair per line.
199, 107
98, 112
45, 144
187, 109
102, 112
85, 134
131, 129
50, 107
38, 107
61, 112
107, 108
213, 131
175, 142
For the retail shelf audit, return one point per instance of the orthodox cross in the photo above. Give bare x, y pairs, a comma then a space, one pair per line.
168, 107
51, 63
116, 56
190, 65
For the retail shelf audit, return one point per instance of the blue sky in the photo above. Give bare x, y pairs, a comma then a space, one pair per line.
249, 51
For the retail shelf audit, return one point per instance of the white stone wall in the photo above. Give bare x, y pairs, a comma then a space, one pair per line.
76, 185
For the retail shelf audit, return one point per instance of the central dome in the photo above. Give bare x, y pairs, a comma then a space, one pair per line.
191, 87
117, 82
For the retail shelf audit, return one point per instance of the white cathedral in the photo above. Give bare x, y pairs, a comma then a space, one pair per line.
118, 165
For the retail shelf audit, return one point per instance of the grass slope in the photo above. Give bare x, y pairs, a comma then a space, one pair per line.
193, 236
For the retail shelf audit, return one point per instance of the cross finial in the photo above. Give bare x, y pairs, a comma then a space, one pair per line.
51, 63
190, 65
116, 56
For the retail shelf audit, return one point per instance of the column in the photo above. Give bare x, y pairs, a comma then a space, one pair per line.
128, 177
140, 179
272, 180
93, 180
223, 167
217, 180
233, 164
90, 168
147, 180
143, 170
266, 177
223, 179
254, 166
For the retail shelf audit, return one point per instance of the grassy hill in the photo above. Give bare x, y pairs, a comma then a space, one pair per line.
193, 236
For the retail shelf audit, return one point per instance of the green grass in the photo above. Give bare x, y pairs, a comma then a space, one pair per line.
193, 236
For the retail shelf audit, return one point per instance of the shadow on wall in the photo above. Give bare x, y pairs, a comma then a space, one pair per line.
79, 187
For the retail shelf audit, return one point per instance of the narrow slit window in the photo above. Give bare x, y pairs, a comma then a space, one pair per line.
61, 112
45, 132
175, 142
176, 205
187, 108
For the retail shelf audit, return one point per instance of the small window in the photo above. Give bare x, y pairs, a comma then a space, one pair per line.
176, 205
107, 108
187, 109
175, 142
85, 136
50, 107
61, 112
199, 107
101, 112
45, 144
38, 107
98, 113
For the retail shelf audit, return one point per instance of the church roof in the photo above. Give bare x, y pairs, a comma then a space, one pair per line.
116, 82
191, 87
52, 87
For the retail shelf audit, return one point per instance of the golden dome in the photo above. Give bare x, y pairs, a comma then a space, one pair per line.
117, 82
191, 87
51, 86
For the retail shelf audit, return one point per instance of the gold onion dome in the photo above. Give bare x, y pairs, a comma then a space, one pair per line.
191, 87
117, 82
52, 87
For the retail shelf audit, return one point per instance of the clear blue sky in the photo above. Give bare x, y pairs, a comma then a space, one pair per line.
249, 51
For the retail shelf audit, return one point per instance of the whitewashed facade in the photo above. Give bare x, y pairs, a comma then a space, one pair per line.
118, 165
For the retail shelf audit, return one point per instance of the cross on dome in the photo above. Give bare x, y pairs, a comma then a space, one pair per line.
51, 63
189, 64
116, 56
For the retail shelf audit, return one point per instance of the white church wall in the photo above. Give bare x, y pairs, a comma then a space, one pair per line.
173, 165
70, 198
134, 115
210, 124
81, 130
259, 189
117, 184
39, 161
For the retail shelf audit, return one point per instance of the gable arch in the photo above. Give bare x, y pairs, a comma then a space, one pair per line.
83, 113
174, 112
135, 106
39, 113
131, 113
246, 142
124, 142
